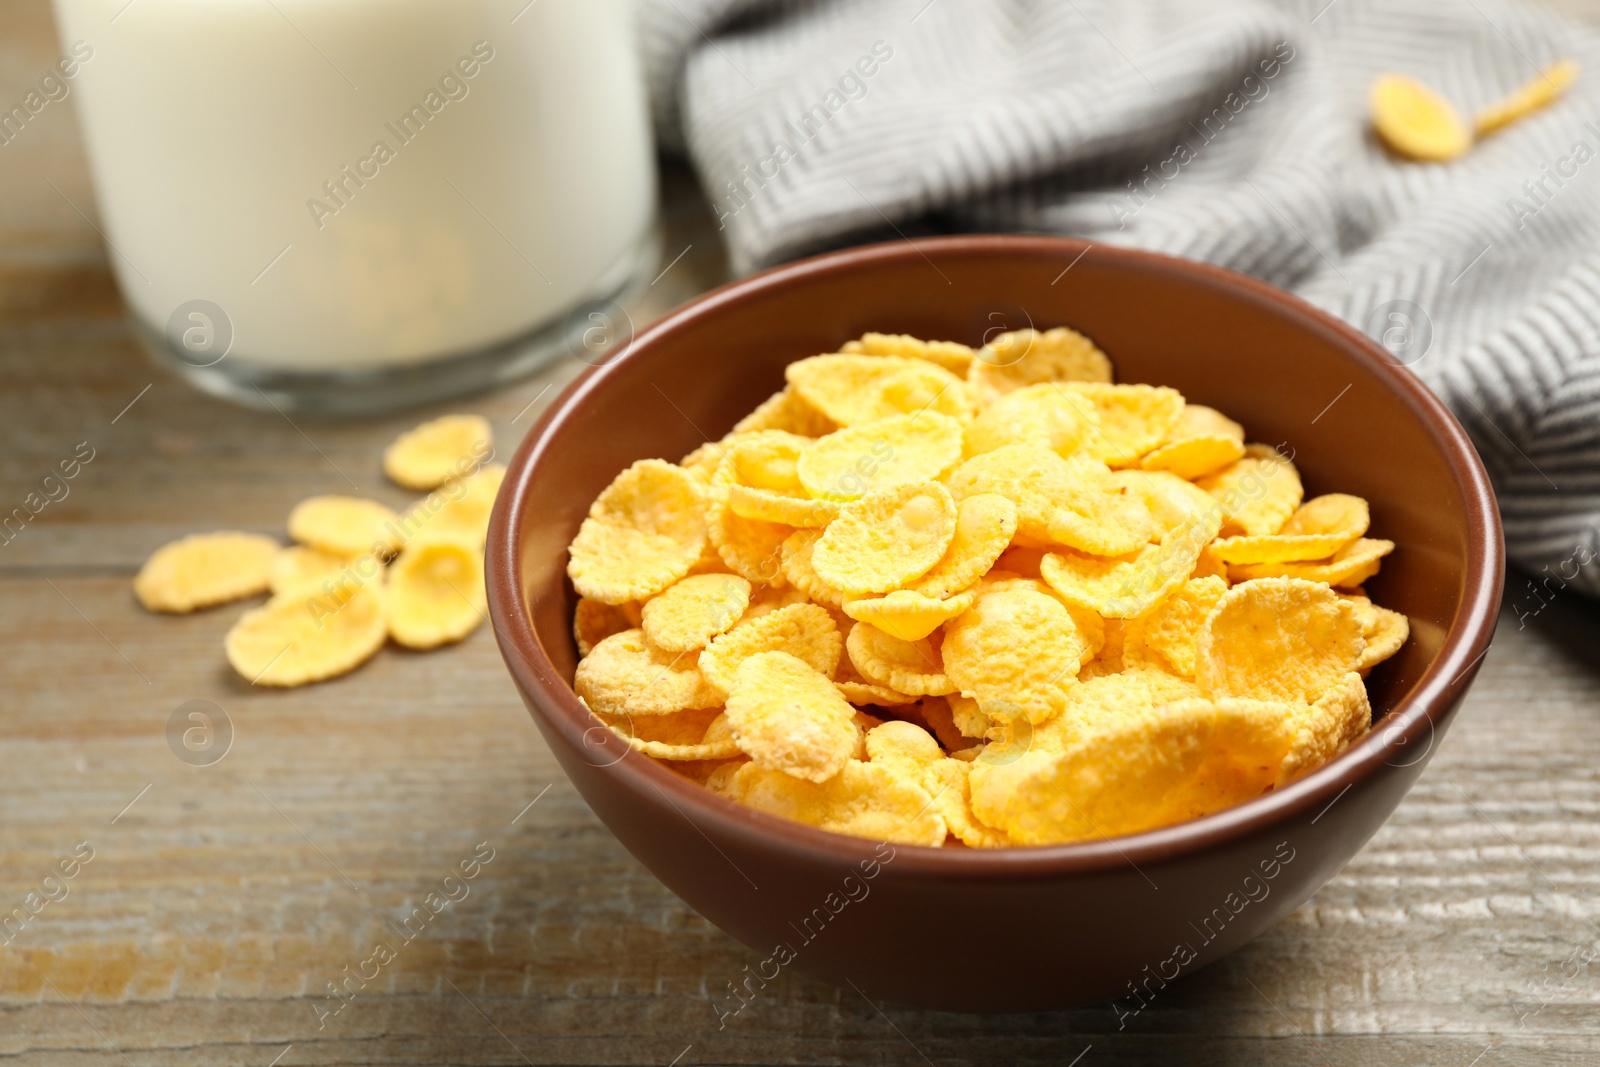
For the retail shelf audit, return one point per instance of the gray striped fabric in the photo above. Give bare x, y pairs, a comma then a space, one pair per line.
1233, 132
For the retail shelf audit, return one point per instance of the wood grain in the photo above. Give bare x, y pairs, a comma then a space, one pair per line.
221, 901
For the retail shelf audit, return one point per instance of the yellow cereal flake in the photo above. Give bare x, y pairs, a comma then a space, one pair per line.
436, 593
1143, 770
642, 534
1543, 89
201, 570
1384, 632
1134, 419
683, 736
1097, 703
1416, 122
856, 689
854, 389
805, 631
301, 567
694, 610
593, 622
1340, 716
1281, 639
346, 526
1028, 357
1017, 649
1044, 415
796, 555
902, 747
985, 524
1317, 530
757, 475
1347, 568
625, 675
460, 509
946, 781
1125, 587
907, 615
1097, 515
950, 355
424, 457
1258, 493
911, 667
1034, 479
787, 717
862, 800
703, 461
968, 716
1193, 457
788, 412
886, 539
1165, 638
896, 450
297, 638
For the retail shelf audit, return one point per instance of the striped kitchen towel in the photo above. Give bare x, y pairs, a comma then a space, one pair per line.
1233, 131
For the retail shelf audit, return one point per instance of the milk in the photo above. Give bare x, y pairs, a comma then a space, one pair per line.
363, 183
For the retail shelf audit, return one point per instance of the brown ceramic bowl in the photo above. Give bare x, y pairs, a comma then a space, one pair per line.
1026, 928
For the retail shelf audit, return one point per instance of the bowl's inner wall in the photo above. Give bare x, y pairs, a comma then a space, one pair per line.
1263, 361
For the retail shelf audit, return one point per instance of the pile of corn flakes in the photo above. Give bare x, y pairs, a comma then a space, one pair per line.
929, 594
359, 573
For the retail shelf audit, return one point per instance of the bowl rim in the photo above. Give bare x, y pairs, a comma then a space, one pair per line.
1410, 727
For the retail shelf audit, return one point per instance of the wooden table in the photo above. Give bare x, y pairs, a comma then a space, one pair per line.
221, 901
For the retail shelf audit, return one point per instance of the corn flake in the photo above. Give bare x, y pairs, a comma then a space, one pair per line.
896, 450
625, 675
1317, 530
805, 631
787, 717
425, 457
1326, 728
950, 355
294, 639
436, 594
593, 622
886, 539
1258, 493
642, 534
346, 526
862, 800
1044, 415
1415, 121
1347, 568
911, 667
1016, 648
907, 615
1281, 639
1028, 357
202, 570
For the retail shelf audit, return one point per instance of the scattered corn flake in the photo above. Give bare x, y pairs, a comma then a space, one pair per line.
897, 450
1318, 528
787, 717
424, 457
346, 526
1166, 637
886, 539
1346, 568
1028, 357
593, 622
297, 638
625, 675
1017, 652
1415, 121
1142, 770
436, 593
805, 631
1281, 639
862, 800
907, 615
911, 667
1258, 493
691, 612
950, 355
1045, 415
642, 534
1543, 89
202, 570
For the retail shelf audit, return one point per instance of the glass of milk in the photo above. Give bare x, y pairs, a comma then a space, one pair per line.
363, 204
